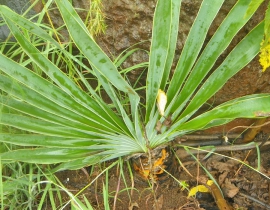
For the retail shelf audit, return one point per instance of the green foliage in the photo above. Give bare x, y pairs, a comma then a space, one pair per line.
64, 123
267, 23
95, 20
22, 187
253, 6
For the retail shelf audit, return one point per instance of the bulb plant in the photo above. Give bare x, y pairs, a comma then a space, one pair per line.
73, 126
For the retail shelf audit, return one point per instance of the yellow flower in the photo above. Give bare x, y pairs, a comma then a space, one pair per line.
265, 57
161, 101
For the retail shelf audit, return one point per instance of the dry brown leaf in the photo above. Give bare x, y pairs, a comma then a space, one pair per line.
222, 177
229, 189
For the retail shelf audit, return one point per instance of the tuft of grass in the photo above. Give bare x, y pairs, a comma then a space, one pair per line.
95, 20
20, 186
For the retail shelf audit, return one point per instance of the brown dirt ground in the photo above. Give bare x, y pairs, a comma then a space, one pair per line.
239, 184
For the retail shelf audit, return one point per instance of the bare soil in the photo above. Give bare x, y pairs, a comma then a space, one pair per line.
242, 187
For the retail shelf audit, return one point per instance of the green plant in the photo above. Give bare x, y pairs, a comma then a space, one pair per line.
68, 125
95, 20
22, 187
12, 49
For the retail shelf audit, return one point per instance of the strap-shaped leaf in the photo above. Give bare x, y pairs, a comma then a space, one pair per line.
78, 163
111, 92
160, 47
239, 57
218, 43
97, 58
26, 77
90, 49
193, 45
24, 95
48, 67
253, 6
26, 24
44, 155
35, 29
175, 14
90, 128
45, 141
43, 94
251, 106
39, 126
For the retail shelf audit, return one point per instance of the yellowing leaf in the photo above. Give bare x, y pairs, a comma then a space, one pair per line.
161, 101
198, 188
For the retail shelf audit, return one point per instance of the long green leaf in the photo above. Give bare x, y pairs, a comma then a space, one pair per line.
58, 77
35, 29
78, 163
193, 45
267, 24
43, 94
90, 49
253, 6
97, 58
240, 56
218, 43
245, 107
26, 24
111, 92
44, 155
45, 141
40, 126
55, 119
160, 46
175, 13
